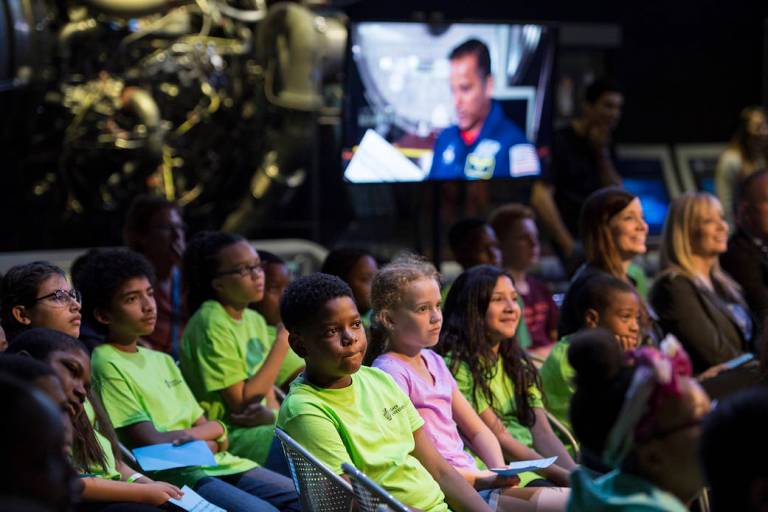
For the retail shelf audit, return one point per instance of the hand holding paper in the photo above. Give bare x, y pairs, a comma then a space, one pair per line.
521, 466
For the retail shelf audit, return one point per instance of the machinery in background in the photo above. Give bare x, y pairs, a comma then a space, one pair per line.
212, 103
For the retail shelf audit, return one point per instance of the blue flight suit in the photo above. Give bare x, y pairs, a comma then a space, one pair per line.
501, 150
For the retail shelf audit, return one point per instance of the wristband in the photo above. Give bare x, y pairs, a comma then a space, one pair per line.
134, 477
222, 437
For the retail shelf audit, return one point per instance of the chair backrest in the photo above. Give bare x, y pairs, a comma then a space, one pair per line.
319, 488
371, 496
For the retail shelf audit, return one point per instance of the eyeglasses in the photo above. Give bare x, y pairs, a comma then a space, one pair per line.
61, 298
243, 270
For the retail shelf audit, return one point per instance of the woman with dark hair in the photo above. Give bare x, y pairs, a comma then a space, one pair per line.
614, 232
38, 294
492, 370
698, 302
639, 416
746, 153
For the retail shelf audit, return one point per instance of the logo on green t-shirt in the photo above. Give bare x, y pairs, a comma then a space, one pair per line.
388, 413
172, 383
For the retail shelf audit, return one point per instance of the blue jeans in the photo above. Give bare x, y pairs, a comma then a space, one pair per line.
257, 490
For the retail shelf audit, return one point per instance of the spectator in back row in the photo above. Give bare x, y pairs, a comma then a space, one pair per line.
154, 228
356, 267
515, 226
746, 259
696, 301
746, 153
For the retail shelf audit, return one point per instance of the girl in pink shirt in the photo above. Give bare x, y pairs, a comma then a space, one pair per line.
406, 321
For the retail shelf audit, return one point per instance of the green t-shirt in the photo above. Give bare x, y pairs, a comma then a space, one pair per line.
291, 364
503, 390
147, 386
637, 274
111, 472
218, 351
369, 424
557, 381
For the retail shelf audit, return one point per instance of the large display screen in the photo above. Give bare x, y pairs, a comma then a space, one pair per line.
412, 113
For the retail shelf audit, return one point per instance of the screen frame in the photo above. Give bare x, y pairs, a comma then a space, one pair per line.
683, 155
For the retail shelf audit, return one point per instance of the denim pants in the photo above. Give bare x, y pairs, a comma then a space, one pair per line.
257, 490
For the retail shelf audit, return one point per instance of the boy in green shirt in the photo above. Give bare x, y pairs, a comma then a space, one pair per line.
146, 397
342, 412
604, 301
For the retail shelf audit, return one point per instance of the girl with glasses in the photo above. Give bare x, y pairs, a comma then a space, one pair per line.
38, 294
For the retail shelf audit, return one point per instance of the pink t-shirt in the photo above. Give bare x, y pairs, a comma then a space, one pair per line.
433, 401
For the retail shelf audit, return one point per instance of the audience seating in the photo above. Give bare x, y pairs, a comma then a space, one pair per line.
319, 488
371, 496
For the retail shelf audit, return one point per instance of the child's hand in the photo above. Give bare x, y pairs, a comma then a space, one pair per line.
281, 338
712, 371
627, 342
253, 415
158, 493
491, 480
183, 439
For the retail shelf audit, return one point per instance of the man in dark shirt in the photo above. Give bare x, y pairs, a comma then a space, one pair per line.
747, 257
583, 160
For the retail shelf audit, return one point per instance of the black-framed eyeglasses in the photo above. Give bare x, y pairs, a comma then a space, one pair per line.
243, 270
62, 297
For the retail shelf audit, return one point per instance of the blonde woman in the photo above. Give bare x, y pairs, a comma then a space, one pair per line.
695, 300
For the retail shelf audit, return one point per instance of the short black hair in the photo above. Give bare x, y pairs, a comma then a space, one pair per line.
461, 232
597, 293
199, 264
731, 438
477, 48
25, 369
19, 288
340, 261
142, 209
270, 257
40, 342
304, 297
600, 87
102, 272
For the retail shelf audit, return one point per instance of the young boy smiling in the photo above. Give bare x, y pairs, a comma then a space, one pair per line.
344, 412
146, 397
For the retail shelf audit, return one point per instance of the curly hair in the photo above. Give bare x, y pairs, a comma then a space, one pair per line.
200, 262
464, 340
19, 288
304, 297
39, 343
101, 272
387, 293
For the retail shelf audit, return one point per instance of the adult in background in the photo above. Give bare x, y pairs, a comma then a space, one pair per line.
583, 161
614, 232
154, 228
746, 259
746, 153
696, 301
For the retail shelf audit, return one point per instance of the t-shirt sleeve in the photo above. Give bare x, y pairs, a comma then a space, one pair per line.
534, 397
319, 436
121, 403
396, 371
465, 382
219, 356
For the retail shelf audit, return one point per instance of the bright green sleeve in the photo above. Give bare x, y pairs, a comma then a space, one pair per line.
465, 382
522, 335
221, 363
557, 380
120, 401
534, 397
320, 437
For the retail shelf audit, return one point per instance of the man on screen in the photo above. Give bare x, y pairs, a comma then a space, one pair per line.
483, 144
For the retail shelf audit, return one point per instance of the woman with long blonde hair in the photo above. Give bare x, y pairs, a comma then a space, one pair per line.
695, 300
